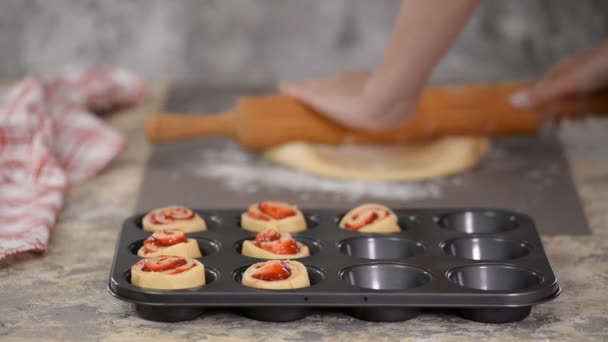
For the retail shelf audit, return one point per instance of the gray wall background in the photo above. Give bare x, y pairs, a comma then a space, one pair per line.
251, 41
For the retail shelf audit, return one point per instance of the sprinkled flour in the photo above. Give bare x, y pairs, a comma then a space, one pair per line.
242, 171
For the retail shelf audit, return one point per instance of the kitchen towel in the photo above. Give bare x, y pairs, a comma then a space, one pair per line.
50, 137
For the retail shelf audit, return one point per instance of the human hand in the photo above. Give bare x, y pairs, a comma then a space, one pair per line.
347, 99
581, 74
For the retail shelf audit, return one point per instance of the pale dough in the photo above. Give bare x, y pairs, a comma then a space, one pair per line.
195, 224
191, 278
291, 224
251, 250
297, 279
386, 221
414, 162
187, 249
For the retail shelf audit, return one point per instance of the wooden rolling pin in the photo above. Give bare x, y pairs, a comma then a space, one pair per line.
262, 122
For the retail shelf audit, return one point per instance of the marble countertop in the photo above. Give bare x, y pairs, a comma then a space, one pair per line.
62, 295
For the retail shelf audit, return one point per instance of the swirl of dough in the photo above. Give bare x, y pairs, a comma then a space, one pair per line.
169, 242
370, 218
166, 264
173, 217
164, 238
272, 271
266, 214
276, 275
168, 272
271, 244
275, 242
171, 214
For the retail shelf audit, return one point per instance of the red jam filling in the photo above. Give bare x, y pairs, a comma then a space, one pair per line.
275, 242
356, 222
164, 238
266, 210
287, 247
254, 213
163, 263
170, 215
182, 269
272, 271
267, 235
276, 211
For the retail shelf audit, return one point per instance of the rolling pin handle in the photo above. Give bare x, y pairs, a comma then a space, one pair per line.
166, 128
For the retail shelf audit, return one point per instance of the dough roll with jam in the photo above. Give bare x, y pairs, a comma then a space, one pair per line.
168, 273
370, 218
271, 244
169, 242
276, 275
174, 217
278, 215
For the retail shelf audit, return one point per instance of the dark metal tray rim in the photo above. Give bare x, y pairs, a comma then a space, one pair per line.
334, 305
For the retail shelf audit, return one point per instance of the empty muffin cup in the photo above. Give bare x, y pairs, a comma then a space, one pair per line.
386, 276
478, 222
374, 248
485, 249
495, 277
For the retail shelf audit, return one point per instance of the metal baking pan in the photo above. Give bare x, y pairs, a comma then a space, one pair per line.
487, 265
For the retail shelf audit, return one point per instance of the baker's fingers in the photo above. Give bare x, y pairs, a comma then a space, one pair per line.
581, 74
547, 91
309, 92
302, 88
336, 104
343, 98
557, 82
291, 89
560, 84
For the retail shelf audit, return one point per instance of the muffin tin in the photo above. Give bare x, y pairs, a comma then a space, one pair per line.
487, 265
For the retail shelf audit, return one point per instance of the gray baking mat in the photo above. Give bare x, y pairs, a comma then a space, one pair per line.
529, 175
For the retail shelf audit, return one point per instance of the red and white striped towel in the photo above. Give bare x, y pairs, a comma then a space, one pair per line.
49, 138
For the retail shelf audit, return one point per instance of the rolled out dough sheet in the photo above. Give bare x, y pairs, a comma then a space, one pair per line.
415, 162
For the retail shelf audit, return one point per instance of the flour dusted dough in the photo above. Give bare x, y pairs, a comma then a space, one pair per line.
297, 279
414, 162
251, 250
188, 249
